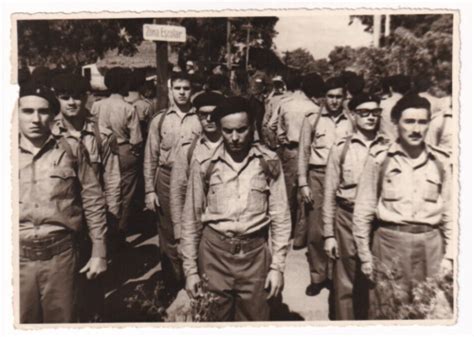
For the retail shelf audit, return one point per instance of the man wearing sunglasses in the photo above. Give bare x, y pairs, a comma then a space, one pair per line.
168, 130
345, 165
320, 130
201, 147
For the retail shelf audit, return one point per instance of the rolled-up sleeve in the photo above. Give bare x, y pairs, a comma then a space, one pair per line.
191, 227
365, 208
93, 203
178, 184
304, 151
152, 154
280, 221
331, 183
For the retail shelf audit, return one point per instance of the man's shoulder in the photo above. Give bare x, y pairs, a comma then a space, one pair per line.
439, 153
155, 119
265, 151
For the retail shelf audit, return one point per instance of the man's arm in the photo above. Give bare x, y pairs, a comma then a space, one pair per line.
304, 152
447, 219
152, 154
112, 179
134, 127
178, 184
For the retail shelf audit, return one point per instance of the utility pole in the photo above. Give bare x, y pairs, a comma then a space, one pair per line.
161, 71
377, 29
387, 25
229, 61
247, 26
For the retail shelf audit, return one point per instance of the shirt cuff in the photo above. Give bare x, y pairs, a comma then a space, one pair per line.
191, 270
302, 181
99, 249
278, 266
365, 256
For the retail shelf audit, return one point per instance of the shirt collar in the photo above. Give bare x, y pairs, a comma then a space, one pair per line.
343, 115
60, 128
25, 147
356, 136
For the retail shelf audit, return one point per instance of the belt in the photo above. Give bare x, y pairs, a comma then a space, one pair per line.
45, 248
290, 145
236, 245
345, 204
407, 228
317, 168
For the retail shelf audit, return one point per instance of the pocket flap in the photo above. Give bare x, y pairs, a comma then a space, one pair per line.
63, 172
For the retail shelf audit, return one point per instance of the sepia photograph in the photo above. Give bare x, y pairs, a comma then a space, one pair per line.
238, 166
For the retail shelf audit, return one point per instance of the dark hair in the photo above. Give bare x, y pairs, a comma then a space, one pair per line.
117, 80
313, 85
218, 82
407, 102
400, 83
293, 80
231, 105
136, 80
355, 85
334, 83
183, 76
362, 98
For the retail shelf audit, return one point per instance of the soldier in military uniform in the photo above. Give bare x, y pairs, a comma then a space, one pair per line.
202, 147
168, 131
345, 164
404, 197
59, 192
232, 201
319, 132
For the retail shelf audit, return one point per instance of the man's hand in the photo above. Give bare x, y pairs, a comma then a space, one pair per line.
193, 285
331, 248
306, 194
274, 283
151, 201
367, 269
446, 265
94, 267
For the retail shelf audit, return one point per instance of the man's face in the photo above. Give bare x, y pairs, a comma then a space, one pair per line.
181, 90
366, 116
334, 99
237, 132
413, 125
204, 115
34, 117
71, 105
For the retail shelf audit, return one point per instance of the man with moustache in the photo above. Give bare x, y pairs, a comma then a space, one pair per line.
319, 132
59, 192
404, 197
168, 131
233, 200
201, 147
345, 164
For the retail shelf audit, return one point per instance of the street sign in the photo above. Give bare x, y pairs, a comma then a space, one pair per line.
167, 33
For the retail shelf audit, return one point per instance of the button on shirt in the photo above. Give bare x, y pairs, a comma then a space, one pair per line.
55, 193
162, 145
239, 201
116, 114
180, 173
291, 116
341, 180
318, 134
106, 165
412, 192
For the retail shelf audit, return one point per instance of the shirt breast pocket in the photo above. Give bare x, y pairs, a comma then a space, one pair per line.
432, 189
320, 141
392, 187
257, 201
166, 140
63, 181
348, 177
216, 198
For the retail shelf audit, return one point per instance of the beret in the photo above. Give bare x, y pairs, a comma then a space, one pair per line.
70, 84
334, 83
362, 98
33, 88
231, 105
208, 98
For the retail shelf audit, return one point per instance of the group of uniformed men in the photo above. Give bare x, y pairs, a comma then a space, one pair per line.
358, 181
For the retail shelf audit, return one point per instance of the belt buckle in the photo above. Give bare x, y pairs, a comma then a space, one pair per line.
237, 248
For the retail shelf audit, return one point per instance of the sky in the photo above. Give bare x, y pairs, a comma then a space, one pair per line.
319, 34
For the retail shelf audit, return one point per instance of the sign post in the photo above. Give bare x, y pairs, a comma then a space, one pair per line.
162, 34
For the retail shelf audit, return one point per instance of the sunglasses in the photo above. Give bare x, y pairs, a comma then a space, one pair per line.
366, 112
68, 97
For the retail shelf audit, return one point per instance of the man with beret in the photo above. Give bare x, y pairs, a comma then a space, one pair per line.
168, 131
59, 192
115, 114
202, 147
404, 200
345, 164
233, 200
320, 130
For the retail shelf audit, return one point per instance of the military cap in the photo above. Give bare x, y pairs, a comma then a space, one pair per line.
362, 98
33, 88
409, 101
231, 105
208, 99
70, 84
41, 75
334, 83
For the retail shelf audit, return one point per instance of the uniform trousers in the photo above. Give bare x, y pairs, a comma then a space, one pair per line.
237, 279
412, 257
47, 289
171, 263
129, 171
319, 264
351, 289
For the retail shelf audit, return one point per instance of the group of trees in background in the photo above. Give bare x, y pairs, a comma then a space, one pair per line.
417, 44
